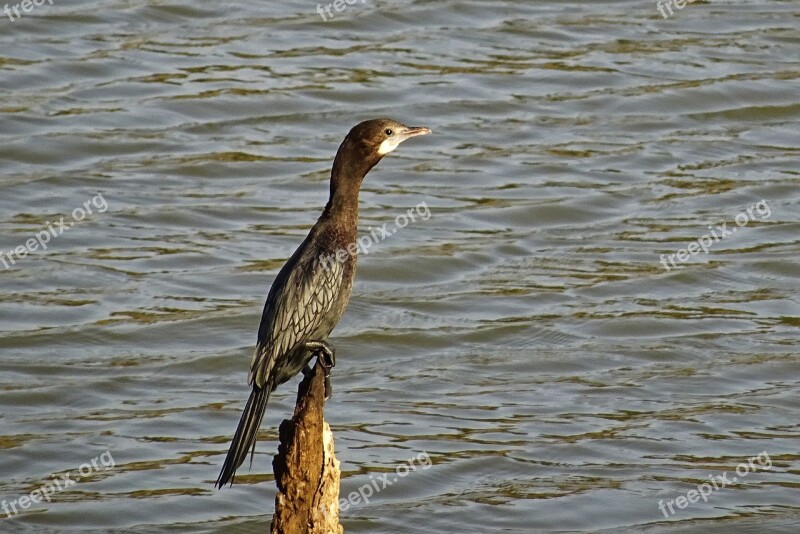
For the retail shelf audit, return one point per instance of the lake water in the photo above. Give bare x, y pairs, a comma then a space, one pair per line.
527, 337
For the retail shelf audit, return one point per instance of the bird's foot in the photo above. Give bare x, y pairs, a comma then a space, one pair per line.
327, 364
326, 356
324, 351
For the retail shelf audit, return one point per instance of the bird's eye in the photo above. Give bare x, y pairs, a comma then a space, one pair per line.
388, 131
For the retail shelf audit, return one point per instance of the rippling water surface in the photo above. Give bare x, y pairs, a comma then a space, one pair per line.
526, 337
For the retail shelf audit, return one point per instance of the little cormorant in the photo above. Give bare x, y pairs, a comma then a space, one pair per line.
310, 294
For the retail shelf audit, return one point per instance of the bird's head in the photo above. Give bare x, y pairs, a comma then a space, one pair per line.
381, 136
365, 146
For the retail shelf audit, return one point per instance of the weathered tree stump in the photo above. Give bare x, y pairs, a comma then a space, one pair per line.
306, 470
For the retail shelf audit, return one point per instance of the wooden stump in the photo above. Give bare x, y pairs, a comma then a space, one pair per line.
306, 470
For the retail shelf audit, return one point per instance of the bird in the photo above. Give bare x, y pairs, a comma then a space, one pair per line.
310, 292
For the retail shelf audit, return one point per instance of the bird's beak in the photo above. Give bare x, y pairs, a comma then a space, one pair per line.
412, 131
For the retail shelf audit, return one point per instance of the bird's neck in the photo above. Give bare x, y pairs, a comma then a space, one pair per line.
343, 210
346, 177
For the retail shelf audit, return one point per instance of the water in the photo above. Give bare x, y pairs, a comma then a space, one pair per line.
526, 337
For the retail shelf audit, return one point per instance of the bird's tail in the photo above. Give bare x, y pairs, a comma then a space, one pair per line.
245, 437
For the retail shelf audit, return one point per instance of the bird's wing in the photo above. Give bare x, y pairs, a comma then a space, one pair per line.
305, 292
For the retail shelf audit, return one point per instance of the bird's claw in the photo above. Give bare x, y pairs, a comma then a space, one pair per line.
327, 360
326, 357
324, 351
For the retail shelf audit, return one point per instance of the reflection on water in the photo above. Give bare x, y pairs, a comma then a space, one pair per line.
526, 337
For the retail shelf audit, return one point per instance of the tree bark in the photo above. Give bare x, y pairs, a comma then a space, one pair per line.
306, 470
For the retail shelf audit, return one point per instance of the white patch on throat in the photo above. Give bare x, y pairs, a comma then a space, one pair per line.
389, 145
